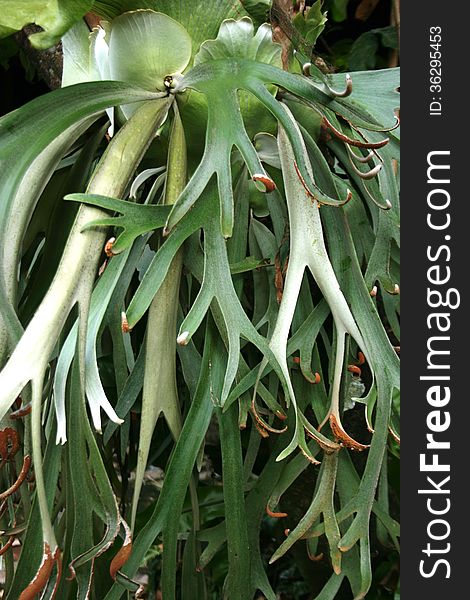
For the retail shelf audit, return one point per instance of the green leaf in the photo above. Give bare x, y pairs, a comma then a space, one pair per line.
32, 547
95, 393
81, 253
339, 10
374, 92
311, 23
238, 39
257, 9
225, 127
238, 312
28, 135
171, 499
21, 210
363, 52
136, 219
388, 36
248, 264
192, 579
57, 220
199, 21
138, 48
160, 393
77, 56
322, 502
91, 494
26, 132
237, 585
54, 16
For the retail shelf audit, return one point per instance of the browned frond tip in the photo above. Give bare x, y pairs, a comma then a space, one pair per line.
355, 370
268, 183
108, 247
262, 423
72, 574
275, 515
21, 477
263, 433
9, 443
57, 556
325, 444
93, 21
41, 578
345, 439
123, 554
124, 323
313, 380
7, 546
337, 569
315, 557
348, 198
311, 459
21, 412
352, 141
394, 435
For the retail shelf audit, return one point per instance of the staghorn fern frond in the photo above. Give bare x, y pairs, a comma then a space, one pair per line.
202, 307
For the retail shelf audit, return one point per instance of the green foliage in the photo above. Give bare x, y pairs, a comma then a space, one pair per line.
363, 54
338, 10
249, 217
54, 16
311, 24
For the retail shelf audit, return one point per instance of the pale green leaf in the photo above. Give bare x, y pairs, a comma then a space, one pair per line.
54, 16
138, 49
238, 39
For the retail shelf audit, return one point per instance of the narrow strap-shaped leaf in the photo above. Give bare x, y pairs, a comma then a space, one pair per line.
179, 471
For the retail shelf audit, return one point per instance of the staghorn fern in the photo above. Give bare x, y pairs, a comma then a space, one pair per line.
195, 255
